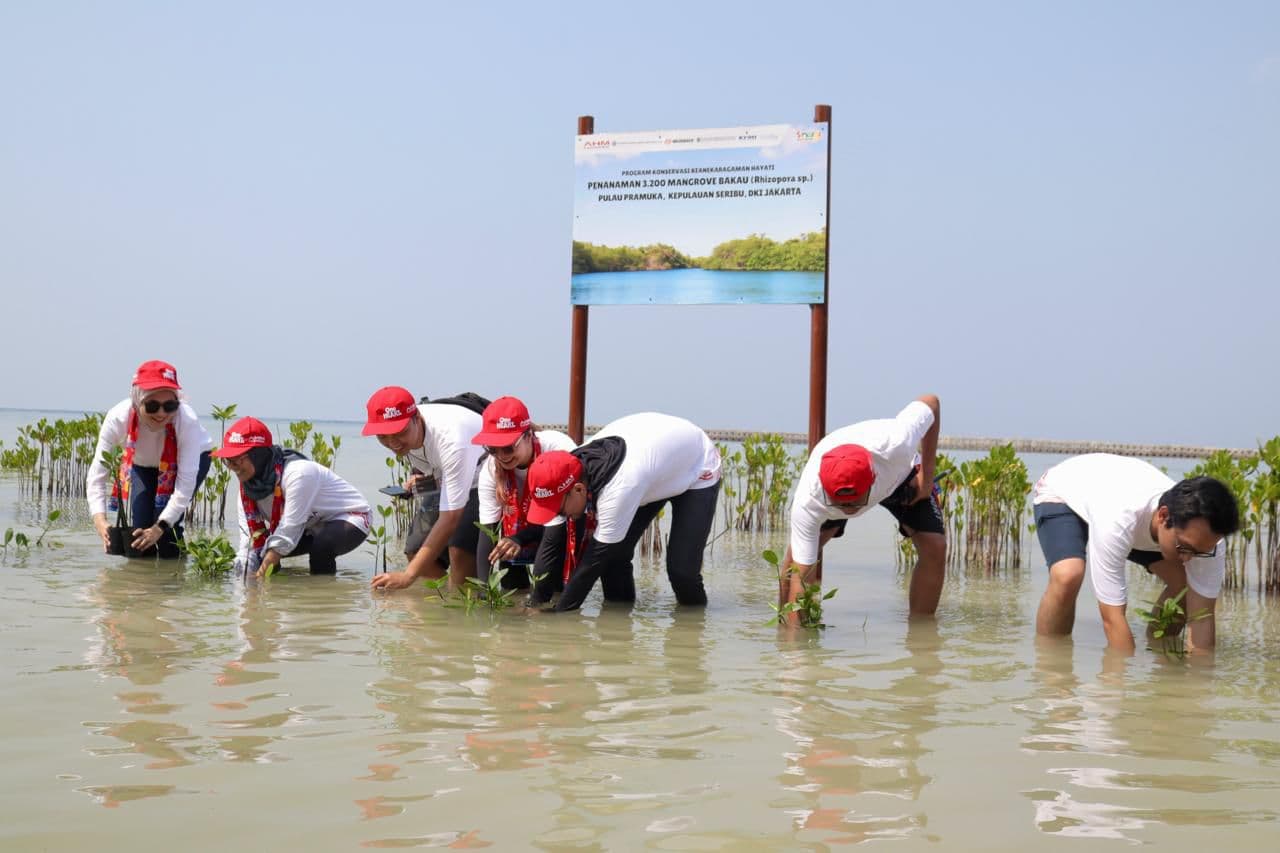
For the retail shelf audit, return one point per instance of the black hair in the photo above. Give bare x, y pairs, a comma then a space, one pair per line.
1202, 497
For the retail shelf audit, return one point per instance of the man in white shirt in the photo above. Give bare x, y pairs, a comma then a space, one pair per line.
889, 463
596, 502
1104, 509
437, 439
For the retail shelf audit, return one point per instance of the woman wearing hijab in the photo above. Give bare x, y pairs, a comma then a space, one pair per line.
166, 456
289, 505
513, 443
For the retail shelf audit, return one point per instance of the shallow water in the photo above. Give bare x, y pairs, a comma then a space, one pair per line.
146, 709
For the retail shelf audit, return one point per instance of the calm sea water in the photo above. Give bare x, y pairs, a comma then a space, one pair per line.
147, 709
695, 287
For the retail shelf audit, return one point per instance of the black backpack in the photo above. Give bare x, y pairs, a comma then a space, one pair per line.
467, 399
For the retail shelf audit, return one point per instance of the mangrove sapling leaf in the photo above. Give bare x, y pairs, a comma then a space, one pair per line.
490, 530
808, 604
1167, 619
112, 459
49, 520
210, 555
439, 586
379, 537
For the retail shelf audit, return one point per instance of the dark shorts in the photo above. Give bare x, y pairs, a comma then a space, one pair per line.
464, 536
1064, 535
922, 517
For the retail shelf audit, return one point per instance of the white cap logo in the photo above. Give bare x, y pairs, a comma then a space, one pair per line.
543, 492
506, 423
170, 375
391, 412
235, 438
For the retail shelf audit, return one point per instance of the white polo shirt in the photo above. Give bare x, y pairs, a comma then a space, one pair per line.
447, 452
192, 440
666, 456
313, 496
490, 506
894, 445
1117, 497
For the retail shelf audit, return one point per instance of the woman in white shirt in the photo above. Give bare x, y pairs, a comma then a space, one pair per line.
289, 505
512, 442
166, 457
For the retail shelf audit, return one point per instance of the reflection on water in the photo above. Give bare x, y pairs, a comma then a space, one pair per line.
306, 713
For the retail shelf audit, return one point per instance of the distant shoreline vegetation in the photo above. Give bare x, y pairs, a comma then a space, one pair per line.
806, 253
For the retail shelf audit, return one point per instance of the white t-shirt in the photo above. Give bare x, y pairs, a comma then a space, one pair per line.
490, 507
447, 452
192, 441
893, 444
666, 456
313, 495
1117, 496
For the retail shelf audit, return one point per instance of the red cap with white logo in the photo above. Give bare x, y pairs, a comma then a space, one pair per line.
846, 473
505, 420
389, 410
242, 436
154, 375
551, 475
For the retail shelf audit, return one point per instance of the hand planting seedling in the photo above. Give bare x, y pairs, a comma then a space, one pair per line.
807, 606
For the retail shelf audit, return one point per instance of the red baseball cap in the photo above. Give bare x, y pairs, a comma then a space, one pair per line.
551, 475
154, 375
505, 420
389, 410
847, 469
242, 436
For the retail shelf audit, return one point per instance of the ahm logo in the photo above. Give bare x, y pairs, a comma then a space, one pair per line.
597, 143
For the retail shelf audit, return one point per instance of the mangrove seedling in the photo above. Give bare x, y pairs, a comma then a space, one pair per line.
379, 537
808, 605
48, 523
112, 459
210, 555
440, 586
1166, 619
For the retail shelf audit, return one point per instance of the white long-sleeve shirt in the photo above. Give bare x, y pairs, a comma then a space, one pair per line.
192, 441
313, 495
666, 456
490, 506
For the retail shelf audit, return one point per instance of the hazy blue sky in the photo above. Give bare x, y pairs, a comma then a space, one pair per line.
1063, 218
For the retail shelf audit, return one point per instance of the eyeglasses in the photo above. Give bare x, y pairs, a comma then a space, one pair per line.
1188, 551
153, 406
510, 448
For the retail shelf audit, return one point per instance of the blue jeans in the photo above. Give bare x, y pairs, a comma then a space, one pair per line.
142, 495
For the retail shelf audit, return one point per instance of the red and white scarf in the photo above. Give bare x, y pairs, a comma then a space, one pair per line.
515, 512
259, 532
571, 554
168, 476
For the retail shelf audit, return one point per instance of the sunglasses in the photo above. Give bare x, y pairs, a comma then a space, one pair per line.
153, 406
505, 449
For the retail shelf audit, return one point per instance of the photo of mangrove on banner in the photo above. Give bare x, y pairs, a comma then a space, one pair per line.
725, 215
